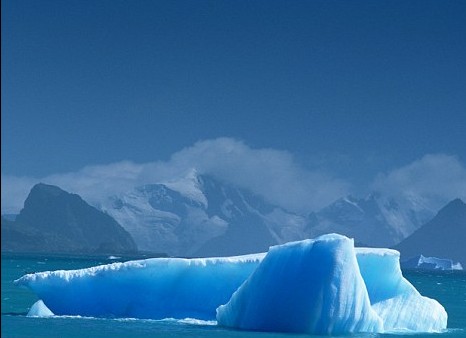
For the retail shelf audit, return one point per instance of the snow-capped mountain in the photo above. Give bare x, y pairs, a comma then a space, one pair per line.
374, 221
199, 215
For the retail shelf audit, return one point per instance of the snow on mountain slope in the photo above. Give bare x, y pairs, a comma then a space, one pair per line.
163, 220
375, 220
188, 186
198, 215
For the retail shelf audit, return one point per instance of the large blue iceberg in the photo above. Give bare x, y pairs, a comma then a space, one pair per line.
320, 286
395, 300
320, 290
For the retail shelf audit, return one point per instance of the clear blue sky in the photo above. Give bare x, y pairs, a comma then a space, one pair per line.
380, 83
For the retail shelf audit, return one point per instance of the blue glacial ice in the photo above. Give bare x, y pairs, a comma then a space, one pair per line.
396, 301
320, 286
154, 288
320, 291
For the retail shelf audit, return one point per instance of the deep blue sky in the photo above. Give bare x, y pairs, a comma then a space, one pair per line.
357, 86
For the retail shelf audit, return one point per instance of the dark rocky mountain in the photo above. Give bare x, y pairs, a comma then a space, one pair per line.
444, 236
55, 221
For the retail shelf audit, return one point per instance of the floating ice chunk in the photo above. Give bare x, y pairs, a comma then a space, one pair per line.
431, 263
326, 286
323, 286
153, 289
39, 309
395, 300
311, 286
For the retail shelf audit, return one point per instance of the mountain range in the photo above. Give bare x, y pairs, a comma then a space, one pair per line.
200, 215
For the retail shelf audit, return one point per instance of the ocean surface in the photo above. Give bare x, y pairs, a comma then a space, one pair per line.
449, 288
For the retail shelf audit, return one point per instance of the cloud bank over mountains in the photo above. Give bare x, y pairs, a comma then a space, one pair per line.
273, 174
436, 178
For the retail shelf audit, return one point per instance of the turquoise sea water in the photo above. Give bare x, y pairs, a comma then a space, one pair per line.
449, 288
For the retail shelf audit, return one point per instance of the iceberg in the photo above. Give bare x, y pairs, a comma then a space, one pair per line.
327, 286
155, 288
431, 263
395, 300
318, 286
311, 286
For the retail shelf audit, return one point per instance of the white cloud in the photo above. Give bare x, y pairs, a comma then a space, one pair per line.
271, 173
274, 174
436, 178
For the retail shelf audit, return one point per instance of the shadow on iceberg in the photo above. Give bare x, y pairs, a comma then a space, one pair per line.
319, 286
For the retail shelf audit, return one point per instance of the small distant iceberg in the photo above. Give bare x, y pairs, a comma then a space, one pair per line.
431, 263
316, 286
